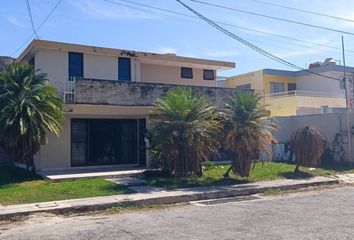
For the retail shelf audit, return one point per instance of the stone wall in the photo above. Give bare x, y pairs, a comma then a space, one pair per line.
108, 92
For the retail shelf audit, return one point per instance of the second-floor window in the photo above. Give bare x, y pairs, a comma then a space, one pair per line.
208, 74
186, 72
124, 71
32, 62
276, 87
76, 65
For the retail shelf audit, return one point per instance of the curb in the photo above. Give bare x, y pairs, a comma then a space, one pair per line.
224, 193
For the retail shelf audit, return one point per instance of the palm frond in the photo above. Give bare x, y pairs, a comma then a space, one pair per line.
249, 130
29, 107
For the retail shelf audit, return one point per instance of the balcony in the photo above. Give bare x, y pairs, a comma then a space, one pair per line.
123, 93
303, 102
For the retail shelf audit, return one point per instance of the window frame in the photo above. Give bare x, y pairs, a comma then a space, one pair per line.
183, 69
276, 88
70, 63
120, 76
205, 77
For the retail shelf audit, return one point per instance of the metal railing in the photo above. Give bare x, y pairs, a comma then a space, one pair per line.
69, 90
303, 93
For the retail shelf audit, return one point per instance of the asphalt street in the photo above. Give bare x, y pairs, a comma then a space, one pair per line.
327, 214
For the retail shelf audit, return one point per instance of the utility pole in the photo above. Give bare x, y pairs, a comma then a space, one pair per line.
348, 105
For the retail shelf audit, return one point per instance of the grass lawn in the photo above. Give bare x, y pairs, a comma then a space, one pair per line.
213, 174
17, 186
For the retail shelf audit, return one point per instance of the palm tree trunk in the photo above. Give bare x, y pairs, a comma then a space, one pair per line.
227, 174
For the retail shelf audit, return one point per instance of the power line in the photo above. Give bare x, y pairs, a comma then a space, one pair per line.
228, 24
271, 17
142, 10
194, 17
305, 11
249, 44
31, 18
39, 27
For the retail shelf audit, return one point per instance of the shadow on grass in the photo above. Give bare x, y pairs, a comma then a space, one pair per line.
115, 189
339, 167
297, 175
10, 175
164, 180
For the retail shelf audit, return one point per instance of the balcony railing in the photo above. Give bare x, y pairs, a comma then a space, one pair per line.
126, 93
303, 94
69, 90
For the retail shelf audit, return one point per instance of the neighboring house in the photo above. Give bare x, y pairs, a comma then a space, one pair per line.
5, 61
297, 92
108, 96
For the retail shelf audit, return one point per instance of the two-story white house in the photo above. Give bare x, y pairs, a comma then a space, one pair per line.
108, 95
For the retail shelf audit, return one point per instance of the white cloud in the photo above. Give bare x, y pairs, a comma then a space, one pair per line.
106, 10
15, 21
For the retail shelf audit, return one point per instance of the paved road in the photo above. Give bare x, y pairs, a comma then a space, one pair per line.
317, 215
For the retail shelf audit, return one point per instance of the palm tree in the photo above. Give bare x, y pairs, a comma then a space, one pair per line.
308, 145
29, 107
248, 131
185, 129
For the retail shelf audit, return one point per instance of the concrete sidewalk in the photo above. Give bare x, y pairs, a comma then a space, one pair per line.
152, 195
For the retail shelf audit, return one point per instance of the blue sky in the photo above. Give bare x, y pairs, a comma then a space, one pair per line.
100, 23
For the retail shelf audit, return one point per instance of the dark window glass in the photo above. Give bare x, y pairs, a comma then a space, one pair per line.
276, 88
76, 64
32, 62
106, 142
124, 71
291, 87
208, 74
186, 72
79, 142
142, 143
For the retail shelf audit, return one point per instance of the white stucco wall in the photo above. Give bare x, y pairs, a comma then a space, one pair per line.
172, 75
100, 67
329, 124
55, 64
320, 84
56, 153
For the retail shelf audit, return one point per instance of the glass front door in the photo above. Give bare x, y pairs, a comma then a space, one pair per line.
104, 142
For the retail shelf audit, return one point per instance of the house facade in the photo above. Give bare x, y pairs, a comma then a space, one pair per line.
109, 94
297, 92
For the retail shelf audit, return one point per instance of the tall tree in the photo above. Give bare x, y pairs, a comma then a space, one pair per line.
248, 131
29, 107
308, 145
185, 130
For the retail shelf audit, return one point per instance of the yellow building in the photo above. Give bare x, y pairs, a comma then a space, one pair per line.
295, 92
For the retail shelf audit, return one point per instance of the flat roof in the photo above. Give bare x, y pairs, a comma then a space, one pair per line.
320, 69
37, 44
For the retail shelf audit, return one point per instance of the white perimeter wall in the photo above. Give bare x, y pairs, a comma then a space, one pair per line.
329, 124
320, 84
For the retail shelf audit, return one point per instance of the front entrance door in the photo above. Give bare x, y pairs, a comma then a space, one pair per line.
104, 142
